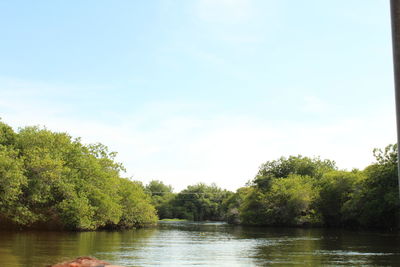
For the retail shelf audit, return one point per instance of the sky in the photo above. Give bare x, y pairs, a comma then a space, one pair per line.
190, 91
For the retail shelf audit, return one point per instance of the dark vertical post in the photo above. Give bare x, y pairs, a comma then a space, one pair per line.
395, 14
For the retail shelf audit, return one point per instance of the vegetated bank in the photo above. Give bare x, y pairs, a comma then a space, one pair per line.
295, 191
49, 180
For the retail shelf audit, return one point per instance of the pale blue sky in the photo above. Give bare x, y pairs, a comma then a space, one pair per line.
203, 90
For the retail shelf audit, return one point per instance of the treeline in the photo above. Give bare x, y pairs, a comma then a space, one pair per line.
295, 191
49, 180
310, 191
197, 202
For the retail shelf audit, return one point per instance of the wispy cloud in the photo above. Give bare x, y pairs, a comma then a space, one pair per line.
160, 140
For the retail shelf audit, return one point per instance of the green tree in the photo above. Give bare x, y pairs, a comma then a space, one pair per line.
283, 167
287, 202
337, 189
284, 191
233, 202
376, 203
137, 209
201, 202
162, 198
48, 179
158, 188
7, 135
12, 183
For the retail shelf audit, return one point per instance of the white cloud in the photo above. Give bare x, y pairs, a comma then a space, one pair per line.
183, 149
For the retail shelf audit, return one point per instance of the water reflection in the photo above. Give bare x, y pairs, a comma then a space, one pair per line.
331, 247
218, 244
41, 248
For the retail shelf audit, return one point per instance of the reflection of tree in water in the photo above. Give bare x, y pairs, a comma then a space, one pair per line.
327, 246
294, 246
7, 258
41, 248
252, 245
373, 248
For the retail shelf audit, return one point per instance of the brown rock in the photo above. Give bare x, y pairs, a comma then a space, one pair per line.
84, 262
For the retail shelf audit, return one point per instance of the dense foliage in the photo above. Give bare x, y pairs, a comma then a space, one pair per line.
197, 202
310, 191
284, 192
162, 197
201, 202
49, 180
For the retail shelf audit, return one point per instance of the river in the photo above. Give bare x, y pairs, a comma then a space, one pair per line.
207, 244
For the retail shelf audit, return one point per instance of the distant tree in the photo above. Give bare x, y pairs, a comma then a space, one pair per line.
232, 204
158, 188
201, 202
162, 197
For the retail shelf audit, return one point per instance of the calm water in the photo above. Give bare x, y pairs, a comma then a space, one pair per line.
210, 244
